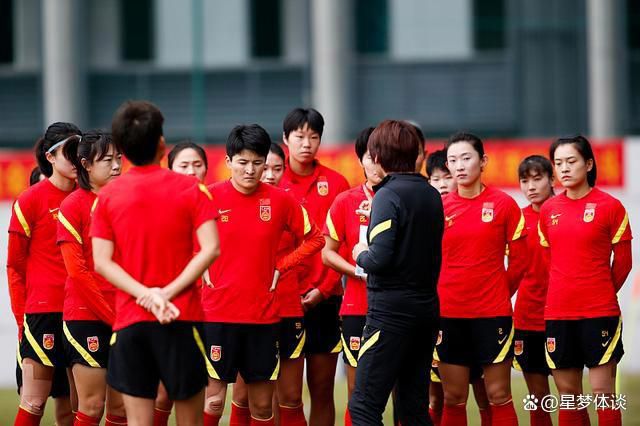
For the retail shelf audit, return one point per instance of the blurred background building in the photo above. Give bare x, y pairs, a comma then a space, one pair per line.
516, 68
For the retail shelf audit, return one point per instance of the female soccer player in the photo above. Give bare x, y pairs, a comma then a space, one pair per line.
36, 272
536, 183
582, 227
89, 299
475, 289
344, 228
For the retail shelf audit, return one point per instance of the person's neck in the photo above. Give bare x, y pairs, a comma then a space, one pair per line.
95, 188
62, 183
579, 191
471, 191
242, 190
369, 185
302, 169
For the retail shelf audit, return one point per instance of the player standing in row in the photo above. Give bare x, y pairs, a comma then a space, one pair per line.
536, 183
89, 299
475, 289
316, 187
441, 179
132, 223
240, 310
36, 274
344, 228
582, 227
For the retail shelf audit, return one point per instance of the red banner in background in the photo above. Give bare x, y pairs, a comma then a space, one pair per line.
502, 170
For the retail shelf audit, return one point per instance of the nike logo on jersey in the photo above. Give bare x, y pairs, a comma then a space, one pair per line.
449, 219
223, 211
554, 216
53, 210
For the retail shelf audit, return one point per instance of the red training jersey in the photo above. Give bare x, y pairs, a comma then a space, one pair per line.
580, 235
288, 291
473, 281
316, 193
345, 226
528, 313
250, 228
151, 215
35, 217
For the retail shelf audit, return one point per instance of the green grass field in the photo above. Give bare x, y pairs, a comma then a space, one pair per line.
630, 386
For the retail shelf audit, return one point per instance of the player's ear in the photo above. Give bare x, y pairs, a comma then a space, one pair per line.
227, 161
284, 139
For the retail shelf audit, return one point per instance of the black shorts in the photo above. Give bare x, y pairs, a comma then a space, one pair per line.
291, 337
145, 353
323, 327
475, 373
248, 349
585, 342
42, 339
474, 341
60, 385
528, 351
86, 343
352, 326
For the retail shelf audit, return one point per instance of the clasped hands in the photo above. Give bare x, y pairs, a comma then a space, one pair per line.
156, 301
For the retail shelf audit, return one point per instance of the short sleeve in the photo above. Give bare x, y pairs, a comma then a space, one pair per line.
22, 216
334, 226
101, 226
69, 223
620, 230
515, 224
204, 206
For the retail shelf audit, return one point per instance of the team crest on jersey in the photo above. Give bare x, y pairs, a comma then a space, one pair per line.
265, 213
216, 353
439, 337
487, 212
589, 212
551, 344
518, 347
48, 340
354, 343
323, 186
93, 344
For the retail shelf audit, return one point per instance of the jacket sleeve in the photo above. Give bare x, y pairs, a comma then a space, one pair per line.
17, 255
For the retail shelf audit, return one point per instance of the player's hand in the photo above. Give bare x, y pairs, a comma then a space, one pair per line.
147, 299
167, 313
274, 283
357, 249
206, 279
364, 209
311, 299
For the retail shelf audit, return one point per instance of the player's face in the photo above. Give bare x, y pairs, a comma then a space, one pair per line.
104, 170
188, 162
246, 170
61, 165
570, 167
442, 181
303, 144
536, 187
371, 169
464, 162
273, 170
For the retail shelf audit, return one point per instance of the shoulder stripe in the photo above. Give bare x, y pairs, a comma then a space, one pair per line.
332, 229
78, 347
205, 191
621, 229
94, 205
543, 240
378, 229
21, 219
307, 223
518, 233
69, 227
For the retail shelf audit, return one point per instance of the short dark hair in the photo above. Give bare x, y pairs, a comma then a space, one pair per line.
583, 146
298, 117
362, 140
56, 132
181, 146
276, 149
535, 164
92, 146
418, 131
474, 140
251, 137
437, 160
136, 129
395, 145
34, 177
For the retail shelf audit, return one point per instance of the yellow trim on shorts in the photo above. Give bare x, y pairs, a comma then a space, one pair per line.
435, 378
519, 228
298, 351
307, 223
331, 227
516, 364
550, 363
276, 371
337, 348
347, 352
370, 342
505, 348
210, 370
435, 354
205, 191
543, 239
612, 345
114, 336
69, 227
621, 229
78, 347
379, 228
21, 219
34, 344
19, 356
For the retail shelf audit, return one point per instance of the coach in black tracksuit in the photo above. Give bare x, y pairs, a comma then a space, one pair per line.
403, 263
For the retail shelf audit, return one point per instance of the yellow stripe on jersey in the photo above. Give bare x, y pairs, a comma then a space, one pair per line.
519, 228
543, 240
612, 345
78, 347
298, 351
621, 229
379, 228
550, 363
205, 191
276, 371
352, 361
36, 347
22, 220
210, 370
94, 205
369, 342
307, 224
505, 349
332, 229
69, 227
337, 348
